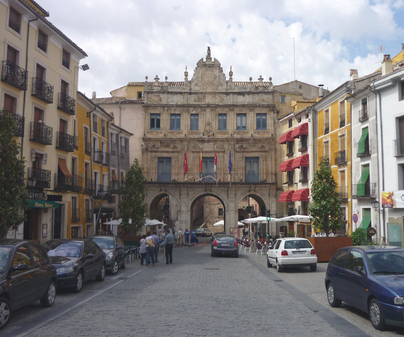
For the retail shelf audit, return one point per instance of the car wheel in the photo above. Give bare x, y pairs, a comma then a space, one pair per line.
79, 282
278, 267
5, 312
376, 314
101, 276
269, 265
334, 302
50, 295
313, 267
115, 267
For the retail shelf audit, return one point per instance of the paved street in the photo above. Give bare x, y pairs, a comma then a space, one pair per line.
197, 296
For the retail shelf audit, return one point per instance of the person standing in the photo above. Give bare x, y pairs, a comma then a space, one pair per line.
168, 246
142, 250
149, 249
156, 246
180, 234
186, 236
193, 236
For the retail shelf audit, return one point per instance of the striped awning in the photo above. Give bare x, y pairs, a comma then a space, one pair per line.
64, 169
286, 137
286, 166
286, 196
301, 195
301, 161
302, 129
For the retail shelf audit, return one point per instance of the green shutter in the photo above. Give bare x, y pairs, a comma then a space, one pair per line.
360, 191
362, 141
365, 219
364, 101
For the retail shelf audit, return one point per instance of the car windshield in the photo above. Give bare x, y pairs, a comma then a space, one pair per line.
389, 262
4, 254
65, 249
294, 244
104, 243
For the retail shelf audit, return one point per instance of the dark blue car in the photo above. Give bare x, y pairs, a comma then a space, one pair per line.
370, 278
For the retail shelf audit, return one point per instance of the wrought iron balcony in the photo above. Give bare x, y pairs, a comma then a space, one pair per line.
340, 158
77, 183
89, 215
101, 157
341, 120
303, 177
67, 104
398, 147
89, 186
123, 151
64, 142
326, 128
87, 148
115, 187
302, 146
75, 215
102, 192
14, 75
363, 115
343, 192
38, 178
41, 133
63, 183
367, 190
76, 142
42, 90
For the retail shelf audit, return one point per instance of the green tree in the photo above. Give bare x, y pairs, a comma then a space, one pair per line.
13, 194
132, 206
325, 204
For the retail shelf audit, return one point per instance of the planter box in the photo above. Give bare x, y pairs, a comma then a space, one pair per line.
326, 247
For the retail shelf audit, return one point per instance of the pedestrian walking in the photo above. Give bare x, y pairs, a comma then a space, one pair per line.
156, 246
142, 250
168, 247
186, 233
149, 249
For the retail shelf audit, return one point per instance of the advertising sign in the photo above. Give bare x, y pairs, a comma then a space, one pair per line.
394, 199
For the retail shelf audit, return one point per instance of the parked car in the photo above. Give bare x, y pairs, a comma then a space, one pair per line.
291, 252
76, 261
370, 278
203, 232
26, 276
114, 250
224, 244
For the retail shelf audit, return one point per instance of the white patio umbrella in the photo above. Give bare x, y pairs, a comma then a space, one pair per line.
219, 223
255, 220
294, 218
116, 222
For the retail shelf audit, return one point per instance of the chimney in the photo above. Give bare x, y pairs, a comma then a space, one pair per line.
353, 74
321, 90
387, 65
94, 95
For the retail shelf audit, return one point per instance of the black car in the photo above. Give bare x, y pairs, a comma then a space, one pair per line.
26, 275
224, 244
114, 250
76, 261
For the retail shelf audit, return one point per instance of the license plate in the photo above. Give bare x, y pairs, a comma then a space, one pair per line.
226, 244
297, 253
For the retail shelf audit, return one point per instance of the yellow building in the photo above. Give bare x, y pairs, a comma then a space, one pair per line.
39, 77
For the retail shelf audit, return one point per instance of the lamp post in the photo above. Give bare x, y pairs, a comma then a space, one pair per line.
376, 206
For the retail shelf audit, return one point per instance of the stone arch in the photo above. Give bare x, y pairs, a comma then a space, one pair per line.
262, 200
153, 199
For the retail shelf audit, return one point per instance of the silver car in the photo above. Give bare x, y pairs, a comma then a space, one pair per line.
289, 252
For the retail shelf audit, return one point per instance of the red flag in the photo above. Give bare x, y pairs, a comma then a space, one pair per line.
185, 163
215, 166
200, 163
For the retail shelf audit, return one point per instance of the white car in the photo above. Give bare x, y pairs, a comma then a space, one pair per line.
288, 252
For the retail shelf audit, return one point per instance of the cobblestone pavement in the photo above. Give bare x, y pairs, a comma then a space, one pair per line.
199, 295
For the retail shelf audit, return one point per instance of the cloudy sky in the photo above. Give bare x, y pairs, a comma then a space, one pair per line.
314, 41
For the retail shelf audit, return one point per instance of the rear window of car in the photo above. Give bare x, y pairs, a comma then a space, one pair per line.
339, 258
294, 244
105, 242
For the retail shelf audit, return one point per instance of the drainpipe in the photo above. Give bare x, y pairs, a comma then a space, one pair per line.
378, 98
91, 161
25, 91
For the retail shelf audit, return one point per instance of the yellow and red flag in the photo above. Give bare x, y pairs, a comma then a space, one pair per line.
185, 163
200, 162
215, 166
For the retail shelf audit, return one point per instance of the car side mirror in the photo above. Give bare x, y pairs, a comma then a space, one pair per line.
359, 269
119, 247
21, 266
89, 256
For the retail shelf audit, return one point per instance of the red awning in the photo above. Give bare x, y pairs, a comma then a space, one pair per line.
286, 137
286, 196
301, 195
302, 129
301, 161
63, 168
286, 166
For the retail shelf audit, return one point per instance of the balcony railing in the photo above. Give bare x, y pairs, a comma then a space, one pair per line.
41, 133
123, 151
101, 157
65, 142
326, 128
75, 215
42, 90
87, 148
366, 191
18, 124
89, 215
77, 183
14, 75
302, 146
76, 142
113, 147
341, 120
303, 177
89, 186
115, 187
102, 192
363, 115
340, 158
63, 183
398, 147
67, 104
38, 178
343, 192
